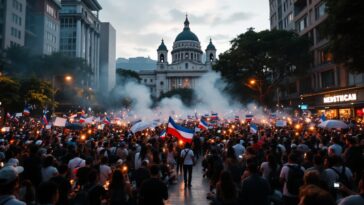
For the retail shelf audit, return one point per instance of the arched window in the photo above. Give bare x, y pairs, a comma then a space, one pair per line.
191, 56
211, 57
161, 58
186, 65
162, 83
186, 56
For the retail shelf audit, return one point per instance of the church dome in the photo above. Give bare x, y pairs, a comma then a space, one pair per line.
187, 34
162, 47
211, 46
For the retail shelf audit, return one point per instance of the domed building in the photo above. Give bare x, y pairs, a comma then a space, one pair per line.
186, 66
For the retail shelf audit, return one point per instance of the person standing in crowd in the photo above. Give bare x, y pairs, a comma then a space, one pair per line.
104, 170
354, 198
226, 190
32, 166
119, 190
291, 177
239, 149
313, 195
47, 193
153, 190
9, 182
48, 170
64, 186
255, 190
188, 159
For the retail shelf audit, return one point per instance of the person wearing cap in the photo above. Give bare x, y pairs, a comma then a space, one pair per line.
9, 182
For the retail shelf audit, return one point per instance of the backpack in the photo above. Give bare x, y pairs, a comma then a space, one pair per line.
294, 179
342, 177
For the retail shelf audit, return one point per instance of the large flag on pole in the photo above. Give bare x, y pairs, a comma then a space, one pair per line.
181, 133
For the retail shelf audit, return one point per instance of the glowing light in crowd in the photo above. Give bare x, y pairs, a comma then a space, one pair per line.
297, 126
83, 137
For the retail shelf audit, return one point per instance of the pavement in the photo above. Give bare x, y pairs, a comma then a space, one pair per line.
196, 195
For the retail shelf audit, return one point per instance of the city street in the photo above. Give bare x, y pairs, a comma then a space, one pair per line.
195, 195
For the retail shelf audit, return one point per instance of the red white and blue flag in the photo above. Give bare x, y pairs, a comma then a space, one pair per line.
163, 134
106, 121
181, 133
214, 116
26, 112
249, 118
203, 125
44, 119
82, 119
253, 129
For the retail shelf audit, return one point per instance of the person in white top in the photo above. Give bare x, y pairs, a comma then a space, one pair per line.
188, 159
48, 171
74, 164
105, 171
290, 198
239, 149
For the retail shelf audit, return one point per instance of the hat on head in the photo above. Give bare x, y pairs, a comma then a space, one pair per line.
9, 174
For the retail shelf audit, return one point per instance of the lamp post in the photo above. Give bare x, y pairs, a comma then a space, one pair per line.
67, 78
256, 85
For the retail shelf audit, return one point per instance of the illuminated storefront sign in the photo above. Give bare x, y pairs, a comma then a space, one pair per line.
340, 98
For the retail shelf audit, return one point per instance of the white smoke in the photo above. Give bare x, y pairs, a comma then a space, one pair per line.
211, 98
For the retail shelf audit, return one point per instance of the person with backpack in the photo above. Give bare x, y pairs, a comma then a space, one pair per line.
336, 172
291, 177
188, 160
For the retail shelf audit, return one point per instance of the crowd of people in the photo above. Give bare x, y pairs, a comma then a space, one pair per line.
91, 166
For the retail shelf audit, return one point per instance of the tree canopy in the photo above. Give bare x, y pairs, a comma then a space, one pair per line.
267, 57
345, 30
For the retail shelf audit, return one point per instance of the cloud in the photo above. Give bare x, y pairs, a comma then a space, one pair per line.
141, 24
235, 17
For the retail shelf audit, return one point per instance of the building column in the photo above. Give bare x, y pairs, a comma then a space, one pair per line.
78, 38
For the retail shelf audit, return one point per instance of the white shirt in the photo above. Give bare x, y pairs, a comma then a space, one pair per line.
105, 172
284, 175
238, 150
74, 164
265, 170
48, 173
189, 156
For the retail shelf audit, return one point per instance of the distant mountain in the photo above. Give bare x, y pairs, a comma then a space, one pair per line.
136, 64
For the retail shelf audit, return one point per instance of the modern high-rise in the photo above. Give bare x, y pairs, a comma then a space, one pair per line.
80, 34
12, 23
328, 87
107, 57
281, 14
43, 26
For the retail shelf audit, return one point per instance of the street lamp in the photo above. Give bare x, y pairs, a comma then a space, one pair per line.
252, 82
67, 78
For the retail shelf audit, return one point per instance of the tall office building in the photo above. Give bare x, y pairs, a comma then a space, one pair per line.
43, 26
80, 34
12, 23
107, 57
281, 14
328, 87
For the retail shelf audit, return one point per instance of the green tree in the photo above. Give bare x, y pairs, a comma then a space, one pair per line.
37, 92
267, 57
124, 75
345, 30
9, 95
20, 61
187, 95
